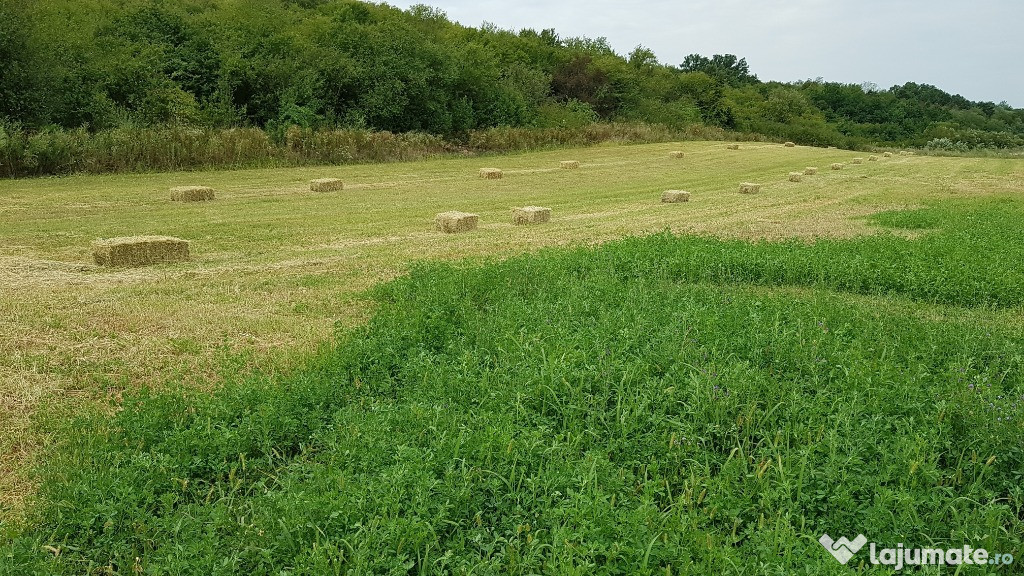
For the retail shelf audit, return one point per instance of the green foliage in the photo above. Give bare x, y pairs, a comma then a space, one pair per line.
325, 64
654, 405
140, 149
726, 68
569, 114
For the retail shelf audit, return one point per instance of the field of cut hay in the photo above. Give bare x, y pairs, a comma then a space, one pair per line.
732, 354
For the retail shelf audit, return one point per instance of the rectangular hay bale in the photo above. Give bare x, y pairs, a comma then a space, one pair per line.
733, 146
135, 251
531, 215
796, 176
811, 170
569, 164
872, 158
676, 154
326, 185
491, 173
452, 222
837, 166
857, 161
674, 196
887, 155
191, 193
790, 144
749, 188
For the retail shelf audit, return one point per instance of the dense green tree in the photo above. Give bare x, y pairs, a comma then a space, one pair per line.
727, 68
343, 63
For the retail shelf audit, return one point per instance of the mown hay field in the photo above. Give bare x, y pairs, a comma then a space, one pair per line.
275, 269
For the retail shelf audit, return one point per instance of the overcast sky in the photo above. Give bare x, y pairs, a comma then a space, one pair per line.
973, 48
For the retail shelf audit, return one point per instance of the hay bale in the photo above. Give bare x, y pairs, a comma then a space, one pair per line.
326, 185
191, 193
531, 215
139, 250
796, 176
569, 164
811, 170
674, 196
837, 166
676, 154
887, 155
790, 144
857, 161
733, 146
872, 158
903, 152
452, 222
749, 188
491, 173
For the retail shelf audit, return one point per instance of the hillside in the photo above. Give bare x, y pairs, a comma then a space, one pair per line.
272, 64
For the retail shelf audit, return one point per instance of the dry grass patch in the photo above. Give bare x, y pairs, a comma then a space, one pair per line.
192, 193
326, 185
531, 215
131, 251
674, 196
454, 222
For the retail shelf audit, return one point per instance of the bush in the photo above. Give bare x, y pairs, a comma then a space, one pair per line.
139, 149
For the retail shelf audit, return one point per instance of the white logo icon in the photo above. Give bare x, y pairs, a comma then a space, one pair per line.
843, 549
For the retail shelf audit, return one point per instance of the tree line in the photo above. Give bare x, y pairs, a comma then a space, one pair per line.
324, 64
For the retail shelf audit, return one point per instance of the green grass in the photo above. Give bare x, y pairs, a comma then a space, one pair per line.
276, 267
659, 404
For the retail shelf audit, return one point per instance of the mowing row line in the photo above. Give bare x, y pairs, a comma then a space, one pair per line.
130, 251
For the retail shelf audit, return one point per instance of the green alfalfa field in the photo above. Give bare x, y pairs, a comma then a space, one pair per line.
330, 386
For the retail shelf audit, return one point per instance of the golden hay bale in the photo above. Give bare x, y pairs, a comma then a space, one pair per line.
872, 158
191, 193
796, 176
733, 146
139, 250
903, 152
676, 154
887, 155
790, 144
673, 196
837, 166
491, 173
857, 161
749, 188
326, 185
811, 170
569, 164
451, 222
531, 215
